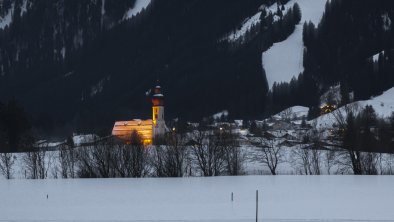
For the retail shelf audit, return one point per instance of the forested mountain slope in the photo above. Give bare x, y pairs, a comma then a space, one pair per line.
84, 64
81, 64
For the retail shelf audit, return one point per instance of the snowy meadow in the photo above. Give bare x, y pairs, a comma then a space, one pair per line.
282, 198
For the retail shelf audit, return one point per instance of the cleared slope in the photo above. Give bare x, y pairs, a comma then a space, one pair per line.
284, 60
327, 198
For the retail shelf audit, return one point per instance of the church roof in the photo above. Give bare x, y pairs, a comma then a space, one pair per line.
124, 129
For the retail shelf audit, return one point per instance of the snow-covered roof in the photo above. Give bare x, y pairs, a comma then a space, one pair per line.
82, 139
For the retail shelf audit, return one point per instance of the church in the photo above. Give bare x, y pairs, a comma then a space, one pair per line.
147, 129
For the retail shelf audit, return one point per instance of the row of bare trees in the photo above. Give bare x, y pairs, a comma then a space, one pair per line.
307, 158
207, 152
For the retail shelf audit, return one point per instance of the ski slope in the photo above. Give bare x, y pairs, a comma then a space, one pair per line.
282, 198
284, 60
383, 106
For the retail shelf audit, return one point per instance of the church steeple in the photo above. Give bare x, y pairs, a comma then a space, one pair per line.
158, 112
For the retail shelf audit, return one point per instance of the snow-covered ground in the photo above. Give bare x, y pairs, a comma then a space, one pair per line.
282, 198
284, 60
248, 23
295, 112
7, 19
138, 7
383, 106
375, 58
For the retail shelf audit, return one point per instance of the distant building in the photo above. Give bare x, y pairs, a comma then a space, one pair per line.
147, 129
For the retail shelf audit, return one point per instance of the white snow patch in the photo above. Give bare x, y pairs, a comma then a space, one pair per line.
295, 112
82, 139
7, 19
63, 52
284, 60
218, 115
282, 198
103, 8
248, 24
138, 7
46, 144
386, 22
98, 88
24, 7
375, 58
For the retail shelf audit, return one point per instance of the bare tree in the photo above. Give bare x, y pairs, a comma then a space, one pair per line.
316, 139
301, 160
207, 153
138, 155
369, 163
67, 159
233, 156
37, 163
330, 159
389, 164
287, 114
7, 160
169, 160
271, 153
347, 134
96, 160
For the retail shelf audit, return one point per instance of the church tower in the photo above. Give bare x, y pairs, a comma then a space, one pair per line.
158, 122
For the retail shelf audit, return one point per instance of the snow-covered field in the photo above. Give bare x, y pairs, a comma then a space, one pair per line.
284, 60
282, 198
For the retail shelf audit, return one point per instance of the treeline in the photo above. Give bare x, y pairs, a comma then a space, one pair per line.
14, 128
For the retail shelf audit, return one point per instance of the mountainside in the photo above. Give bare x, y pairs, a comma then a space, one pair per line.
82, 65
105, 72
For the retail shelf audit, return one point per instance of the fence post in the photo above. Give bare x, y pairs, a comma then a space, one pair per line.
257, 205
